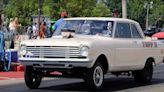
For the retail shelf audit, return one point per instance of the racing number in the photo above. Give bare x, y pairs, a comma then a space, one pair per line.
149, 44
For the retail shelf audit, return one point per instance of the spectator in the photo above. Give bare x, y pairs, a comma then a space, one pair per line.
116, 13
35, 30
42, 30
11, 25
29, 31
51, 27
159, 24
14, 26
12, 32
17, 25
48, 31
59, 21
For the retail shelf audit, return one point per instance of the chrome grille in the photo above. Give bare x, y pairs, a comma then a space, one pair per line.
54, 52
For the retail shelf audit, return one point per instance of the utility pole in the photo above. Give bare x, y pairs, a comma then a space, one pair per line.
124, 9
147, 17
39, 10
148, 6
1, 11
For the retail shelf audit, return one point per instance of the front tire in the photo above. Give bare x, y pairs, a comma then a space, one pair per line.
32, 79
144, 75
95, 77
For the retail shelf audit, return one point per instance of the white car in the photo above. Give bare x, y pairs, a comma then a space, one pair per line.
89, 48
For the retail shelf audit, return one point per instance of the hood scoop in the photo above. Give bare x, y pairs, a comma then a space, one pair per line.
68, 33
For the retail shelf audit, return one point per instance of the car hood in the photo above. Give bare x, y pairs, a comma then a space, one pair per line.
60, 41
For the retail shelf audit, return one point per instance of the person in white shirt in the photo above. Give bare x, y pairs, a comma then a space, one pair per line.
35, 30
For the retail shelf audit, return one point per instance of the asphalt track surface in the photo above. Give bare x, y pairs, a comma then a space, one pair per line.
112, 84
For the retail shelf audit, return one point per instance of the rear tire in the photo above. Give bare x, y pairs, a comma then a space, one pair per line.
32, 79
95, 77
145, 75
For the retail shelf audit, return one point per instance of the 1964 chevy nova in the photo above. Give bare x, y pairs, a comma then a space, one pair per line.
89, 48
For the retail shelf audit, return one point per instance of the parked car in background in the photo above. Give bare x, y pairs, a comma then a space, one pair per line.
163, 29
150, 31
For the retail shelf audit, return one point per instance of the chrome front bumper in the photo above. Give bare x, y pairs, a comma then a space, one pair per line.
55, 63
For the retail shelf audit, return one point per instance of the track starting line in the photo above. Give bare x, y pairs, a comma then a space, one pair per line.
11, 75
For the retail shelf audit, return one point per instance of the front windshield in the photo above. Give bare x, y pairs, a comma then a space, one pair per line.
86, 27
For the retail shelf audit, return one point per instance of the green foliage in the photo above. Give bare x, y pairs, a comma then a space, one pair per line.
77, 8
47, 7
100, 11
157, 11
81, 8
136, 10
24, 9
114, 4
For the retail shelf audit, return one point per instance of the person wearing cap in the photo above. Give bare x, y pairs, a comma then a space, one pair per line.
59, 21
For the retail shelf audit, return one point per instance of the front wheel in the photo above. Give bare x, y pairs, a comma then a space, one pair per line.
95, 77
32, 79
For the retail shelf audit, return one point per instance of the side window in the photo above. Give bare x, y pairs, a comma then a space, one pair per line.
135, 32
123, 30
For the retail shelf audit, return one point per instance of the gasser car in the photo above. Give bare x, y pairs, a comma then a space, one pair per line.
89, 48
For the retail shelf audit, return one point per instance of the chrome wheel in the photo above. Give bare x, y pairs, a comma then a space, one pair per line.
98, 76
95, 77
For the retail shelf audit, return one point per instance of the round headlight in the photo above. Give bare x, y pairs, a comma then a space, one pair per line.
22, 50
84, 51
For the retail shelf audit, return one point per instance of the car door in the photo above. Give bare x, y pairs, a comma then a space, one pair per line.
125, 47
137, 46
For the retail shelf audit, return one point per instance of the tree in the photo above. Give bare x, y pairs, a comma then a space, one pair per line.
23, 9
47, 7
3, 3
78, 7
114, 5
157, 11
82, 8
100, 10
137, 11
